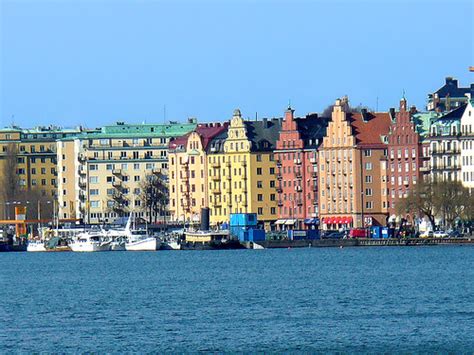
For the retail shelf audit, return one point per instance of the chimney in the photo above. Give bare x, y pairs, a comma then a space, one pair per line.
392, 114
364, 114
451, 81
413, 109
265, 122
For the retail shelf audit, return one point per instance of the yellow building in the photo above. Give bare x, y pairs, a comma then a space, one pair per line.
242, 176
101, 174
188, 172
34, 152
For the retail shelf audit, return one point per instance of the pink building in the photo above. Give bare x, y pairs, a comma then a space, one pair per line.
297, 170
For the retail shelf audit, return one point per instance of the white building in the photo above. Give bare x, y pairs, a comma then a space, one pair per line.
467, 145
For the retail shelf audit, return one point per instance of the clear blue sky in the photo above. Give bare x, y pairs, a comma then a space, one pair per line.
87, 62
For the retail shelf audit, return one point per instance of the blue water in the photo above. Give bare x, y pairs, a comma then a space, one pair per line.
353, 299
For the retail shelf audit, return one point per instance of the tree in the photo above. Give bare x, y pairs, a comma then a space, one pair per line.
448, 200
154, 195
348, 108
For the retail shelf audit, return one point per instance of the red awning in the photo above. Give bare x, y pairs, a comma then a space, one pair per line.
337, 220
346, 219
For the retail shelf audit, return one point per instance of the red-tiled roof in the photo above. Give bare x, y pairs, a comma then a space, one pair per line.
369, 132
205, 130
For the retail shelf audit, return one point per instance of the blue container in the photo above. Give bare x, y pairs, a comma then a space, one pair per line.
313, 234
238, 231
243, 219
387, 232
297, 234
256, 235
376, 232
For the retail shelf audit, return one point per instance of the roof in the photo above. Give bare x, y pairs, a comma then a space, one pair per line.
370, 128
423, 121
205, 130
454, 115
312, 129
263, 134
451, 87
216, 144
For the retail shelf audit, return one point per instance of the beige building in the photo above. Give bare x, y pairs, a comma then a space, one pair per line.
188, 172
101, 174
353, 169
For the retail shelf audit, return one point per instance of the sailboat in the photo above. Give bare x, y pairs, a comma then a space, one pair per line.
139, 239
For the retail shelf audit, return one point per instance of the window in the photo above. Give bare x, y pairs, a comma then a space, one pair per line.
367, 152
136, 166
94, 204
272, 183
368, 178
369, 205
93, 167
94, 192
259, 157
260, 197
259, 171
260, 210
368, 166
93, 179
110, 167
368, 192
259, 184
110, 192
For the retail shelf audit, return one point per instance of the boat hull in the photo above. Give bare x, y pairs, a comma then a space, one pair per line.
35, 247
89, 247
148, 244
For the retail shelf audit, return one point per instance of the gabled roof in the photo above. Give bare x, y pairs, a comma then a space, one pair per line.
370, 128
263, 134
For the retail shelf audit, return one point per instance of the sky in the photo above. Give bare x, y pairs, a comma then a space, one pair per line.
92, 63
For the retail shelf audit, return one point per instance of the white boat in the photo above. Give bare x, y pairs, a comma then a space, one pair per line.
171, 244
139, 240
36, 245
89, 242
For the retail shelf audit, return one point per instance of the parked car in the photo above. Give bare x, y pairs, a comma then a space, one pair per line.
427, 234
455, 234
440, 234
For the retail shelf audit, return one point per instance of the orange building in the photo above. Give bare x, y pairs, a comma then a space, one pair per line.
353, 170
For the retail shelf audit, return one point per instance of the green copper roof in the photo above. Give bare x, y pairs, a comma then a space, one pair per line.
158, 130
423, 121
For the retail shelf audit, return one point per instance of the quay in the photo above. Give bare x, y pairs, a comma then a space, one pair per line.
361, 242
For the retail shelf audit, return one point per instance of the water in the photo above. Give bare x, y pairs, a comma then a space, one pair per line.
353, 299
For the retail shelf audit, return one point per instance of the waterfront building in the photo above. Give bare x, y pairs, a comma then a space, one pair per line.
188, 172
467, 146
243, 176
101, 174
405, 156
445, 145
34, 155
297, 170
449, 96
353, 169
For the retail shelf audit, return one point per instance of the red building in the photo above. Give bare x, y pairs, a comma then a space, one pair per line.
297, 170
404, 158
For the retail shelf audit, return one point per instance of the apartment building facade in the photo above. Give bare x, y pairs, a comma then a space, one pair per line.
405, 156
101, 175
297, 170
188, 172
243, 176
467, 146
353, 169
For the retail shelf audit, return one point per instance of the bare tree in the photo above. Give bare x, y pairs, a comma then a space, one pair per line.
155, 196
420, 200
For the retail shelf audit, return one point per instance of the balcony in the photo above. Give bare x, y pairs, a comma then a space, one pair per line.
314, 174
216, 177
299, 202
216, 191
82, 184
279, 189
156, 171
279, 177
185, 177
297, 161
117, 172
117, 184
81, 171
244, 163
217, 203
299, 176
81, 158
278, 163
82, 196
315, 187
312, 160
424, 168
118, 197
298, 188
228, 164
280, 203
215, 164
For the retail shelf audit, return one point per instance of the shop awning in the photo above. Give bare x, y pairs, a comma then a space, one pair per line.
280, 221
311, 221
337, 220
328, 220
346, 220
290, 222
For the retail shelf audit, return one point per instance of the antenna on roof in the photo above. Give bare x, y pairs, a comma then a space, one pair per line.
164, 114
289, 104
256, 116
377, 105
403, 94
